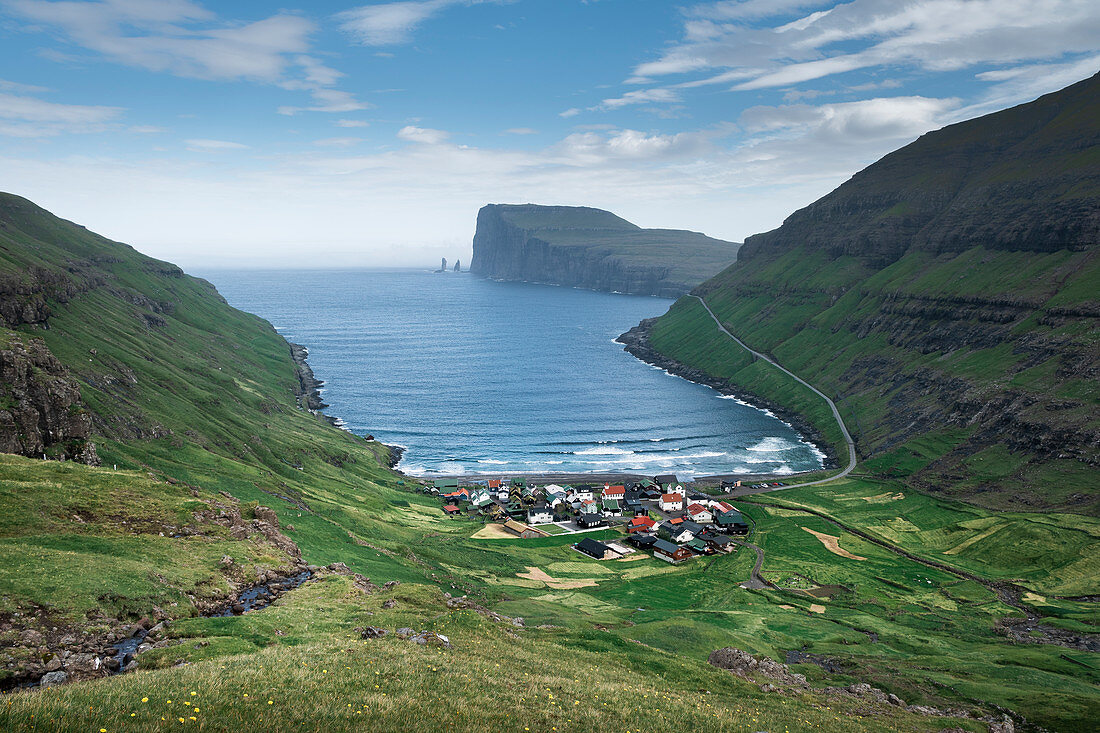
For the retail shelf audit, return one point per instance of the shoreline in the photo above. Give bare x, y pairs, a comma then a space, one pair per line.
636, 343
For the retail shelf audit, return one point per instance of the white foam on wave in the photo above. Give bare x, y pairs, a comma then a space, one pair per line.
783, 470
604, 450
772, 445
492, 461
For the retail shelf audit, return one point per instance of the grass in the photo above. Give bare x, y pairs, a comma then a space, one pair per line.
208, 402
323, 677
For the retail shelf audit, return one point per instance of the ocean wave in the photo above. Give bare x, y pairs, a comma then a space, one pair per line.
772, 445
603, 451
492, 461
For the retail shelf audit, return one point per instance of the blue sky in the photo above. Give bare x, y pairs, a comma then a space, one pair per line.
369, 134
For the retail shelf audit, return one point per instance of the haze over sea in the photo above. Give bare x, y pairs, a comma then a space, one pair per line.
473, 376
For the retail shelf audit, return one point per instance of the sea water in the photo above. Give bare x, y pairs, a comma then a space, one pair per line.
473, 376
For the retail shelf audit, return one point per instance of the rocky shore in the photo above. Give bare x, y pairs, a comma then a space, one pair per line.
636, 343
309, 386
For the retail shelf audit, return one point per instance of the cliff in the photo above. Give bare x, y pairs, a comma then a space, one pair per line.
594, 249
947, 297
40, 409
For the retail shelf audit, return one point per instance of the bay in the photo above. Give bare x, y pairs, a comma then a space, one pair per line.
473, 376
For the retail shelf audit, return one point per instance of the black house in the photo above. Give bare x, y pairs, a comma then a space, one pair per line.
591, 520
592, 548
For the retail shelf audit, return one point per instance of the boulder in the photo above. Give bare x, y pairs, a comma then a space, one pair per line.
389, 604
51, 679
267, 514
404, 632
373, 632
430, 638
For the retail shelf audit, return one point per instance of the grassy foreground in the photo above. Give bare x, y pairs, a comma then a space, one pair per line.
319, 676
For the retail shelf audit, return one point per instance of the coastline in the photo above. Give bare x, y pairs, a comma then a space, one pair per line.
636, 343
309, 399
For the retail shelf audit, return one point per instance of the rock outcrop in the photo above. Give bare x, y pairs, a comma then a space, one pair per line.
593, 249
40, 409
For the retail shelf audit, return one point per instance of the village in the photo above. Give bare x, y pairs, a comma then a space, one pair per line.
658, 514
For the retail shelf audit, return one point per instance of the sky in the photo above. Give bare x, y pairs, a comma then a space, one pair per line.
347, 134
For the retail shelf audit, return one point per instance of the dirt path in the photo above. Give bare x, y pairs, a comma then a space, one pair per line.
832, 544
556, 583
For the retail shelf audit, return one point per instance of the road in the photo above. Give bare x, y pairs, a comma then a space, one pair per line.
832, 406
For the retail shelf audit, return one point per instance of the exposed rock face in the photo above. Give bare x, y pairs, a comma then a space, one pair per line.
593, 249
40, 409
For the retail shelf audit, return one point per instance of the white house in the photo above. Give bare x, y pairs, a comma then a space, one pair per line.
540, 514
700, 514
672, 502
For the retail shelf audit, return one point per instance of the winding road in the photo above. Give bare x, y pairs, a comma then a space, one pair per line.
832, 406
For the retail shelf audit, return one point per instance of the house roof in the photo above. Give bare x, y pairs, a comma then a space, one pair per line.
697, 509
516, 526
671, 497
665, 478
642, 540
665, 546
647, 521
591, 546
450, 508
721, 540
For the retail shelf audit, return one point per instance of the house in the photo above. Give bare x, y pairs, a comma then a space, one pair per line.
594, 549
732, 521
540, 514
611, 507
521, 530
641, 540
588, 506
515, 509
591, 520
700, 514
730, 485
451, 510
699, 547
445, 484
695, 528
697, 497
680, 535
582, 492
670, 553
494, 484
666, 481
672, 502
720, 543
614, 492
720, 507
640, 524
481, 498
651, 494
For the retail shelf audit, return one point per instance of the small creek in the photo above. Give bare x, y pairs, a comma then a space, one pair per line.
252, 599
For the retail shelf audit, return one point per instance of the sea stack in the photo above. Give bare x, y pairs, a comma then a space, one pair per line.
458, 265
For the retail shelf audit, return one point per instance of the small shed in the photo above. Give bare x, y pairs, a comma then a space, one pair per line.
521, 530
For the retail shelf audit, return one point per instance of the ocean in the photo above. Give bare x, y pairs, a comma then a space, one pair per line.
473, 376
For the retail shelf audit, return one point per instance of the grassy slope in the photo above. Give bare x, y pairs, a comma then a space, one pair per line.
345, 507
911, 335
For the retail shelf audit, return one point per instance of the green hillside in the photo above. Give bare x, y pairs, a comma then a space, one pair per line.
592, 248
190, 398
947, 298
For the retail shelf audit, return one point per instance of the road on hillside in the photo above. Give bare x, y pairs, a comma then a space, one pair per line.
815, 390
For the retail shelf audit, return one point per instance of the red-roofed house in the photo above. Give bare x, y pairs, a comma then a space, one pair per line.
614, 492
494, 483
672, 502
640, 524
451, 510
700, 514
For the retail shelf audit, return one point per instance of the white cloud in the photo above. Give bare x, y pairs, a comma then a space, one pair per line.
338, 142
571, 112
642, 96
184, 39
930, 35
390, 24
424, 135
854, 123
352, 123
208, 146
521, 131
23, 116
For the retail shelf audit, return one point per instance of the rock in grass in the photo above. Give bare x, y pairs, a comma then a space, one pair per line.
373, 632
50, 679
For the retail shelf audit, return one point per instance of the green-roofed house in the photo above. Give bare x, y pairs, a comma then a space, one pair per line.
732, 521
611, 507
